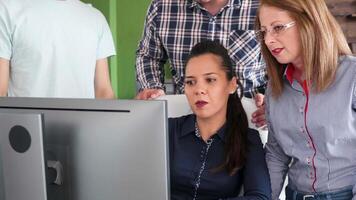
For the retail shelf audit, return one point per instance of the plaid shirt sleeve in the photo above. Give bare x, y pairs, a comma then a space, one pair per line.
151, 56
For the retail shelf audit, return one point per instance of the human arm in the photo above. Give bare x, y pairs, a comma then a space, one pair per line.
146, 94
5, 49
354, 108
277, 163
4, 76
150, 56
256, 182
277, 160
259, 117
354, 101
105, 49
102, 84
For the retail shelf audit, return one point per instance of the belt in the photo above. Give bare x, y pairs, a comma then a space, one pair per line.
344, 194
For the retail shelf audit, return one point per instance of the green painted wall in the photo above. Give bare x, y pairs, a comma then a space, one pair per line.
126, 18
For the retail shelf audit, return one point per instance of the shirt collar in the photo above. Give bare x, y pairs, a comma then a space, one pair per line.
222, 133
288, 73
189, 128
231, 3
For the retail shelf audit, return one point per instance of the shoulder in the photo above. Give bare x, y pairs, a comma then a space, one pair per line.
159, 3
171, 2
181, 125
169, 6
348, 58
9, 3
254, 4
13, 6
181, 121
347, 62
253, 137
91, 11
347, 68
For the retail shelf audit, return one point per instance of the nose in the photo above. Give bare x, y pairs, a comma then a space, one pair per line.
269, 38
200, 89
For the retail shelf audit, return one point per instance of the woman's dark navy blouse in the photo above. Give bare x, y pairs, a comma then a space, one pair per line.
192, 161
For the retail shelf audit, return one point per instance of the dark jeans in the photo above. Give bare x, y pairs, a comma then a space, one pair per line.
344, 194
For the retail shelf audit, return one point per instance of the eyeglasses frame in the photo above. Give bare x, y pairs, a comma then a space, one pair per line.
285, 27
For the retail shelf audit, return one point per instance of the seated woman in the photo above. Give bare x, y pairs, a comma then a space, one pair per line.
310, 101
213, 153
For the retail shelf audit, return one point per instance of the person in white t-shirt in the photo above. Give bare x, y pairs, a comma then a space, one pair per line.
54, 48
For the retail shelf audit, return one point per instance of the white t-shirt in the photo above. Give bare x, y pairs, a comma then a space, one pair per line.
53, 46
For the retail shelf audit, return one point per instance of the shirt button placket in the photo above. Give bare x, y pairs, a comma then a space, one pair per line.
308, 160
202, 155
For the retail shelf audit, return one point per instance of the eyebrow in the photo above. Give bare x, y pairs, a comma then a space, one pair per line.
273, 23
206, 74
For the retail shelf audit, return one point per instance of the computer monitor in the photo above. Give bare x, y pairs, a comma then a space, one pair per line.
22, 156
109, 149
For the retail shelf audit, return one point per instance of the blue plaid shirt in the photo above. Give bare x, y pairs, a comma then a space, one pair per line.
173, 27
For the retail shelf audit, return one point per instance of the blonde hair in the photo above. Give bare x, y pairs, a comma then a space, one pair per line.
322, 43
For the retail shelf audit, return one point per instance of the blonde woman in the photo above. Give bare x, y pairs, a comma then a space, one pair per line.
311, 100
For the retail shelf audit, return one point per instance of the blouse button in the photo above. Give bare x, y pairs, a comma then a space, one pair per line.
301, 110
301, 129
308, 160
309, 145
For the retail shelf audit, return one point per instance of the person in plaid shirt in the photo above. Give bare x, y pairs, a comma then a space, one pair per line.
173, 27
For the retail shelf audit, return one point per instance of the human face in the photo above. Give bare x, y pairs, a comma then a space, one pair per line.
207, 87
286, 45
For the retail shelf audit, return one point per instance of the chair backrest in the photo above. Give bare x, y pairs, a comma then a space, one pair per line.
177, 105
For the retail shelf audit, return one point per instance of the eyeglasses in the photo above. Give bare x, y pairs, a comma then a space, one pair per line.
275, 31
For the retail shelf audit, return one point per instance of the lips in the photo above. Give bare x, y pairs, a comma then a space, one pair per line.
200, 104
277, 51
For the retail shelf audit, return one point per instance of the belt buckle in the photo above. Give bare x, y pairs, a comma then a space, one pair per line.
308, 196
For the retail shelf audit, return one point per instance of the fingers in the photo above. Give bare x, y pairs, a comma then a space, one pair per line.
259, 121
259, 100
259, 117
156, 93
140, 95
148, 94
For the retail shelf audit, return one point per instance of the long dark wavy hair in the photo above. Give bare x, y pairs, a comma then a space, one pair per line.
236, 118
